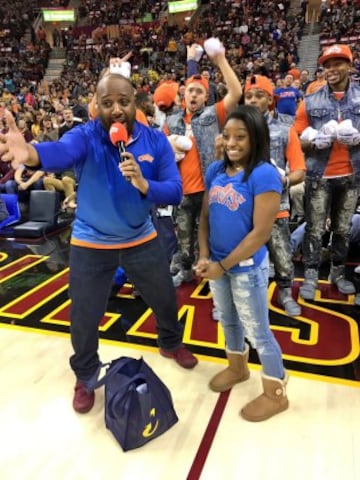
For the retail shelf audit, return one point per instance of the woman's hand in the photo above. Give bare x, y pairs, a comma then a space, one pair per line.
205, 268
201, 266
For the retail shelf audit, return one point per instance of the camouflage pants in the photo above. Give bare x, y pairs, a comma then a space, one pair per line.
280, 253
187, 217
333, 198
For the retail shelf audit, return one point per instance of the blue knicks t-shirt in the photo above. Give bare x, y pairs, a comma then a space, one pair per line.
231, 208
287, 98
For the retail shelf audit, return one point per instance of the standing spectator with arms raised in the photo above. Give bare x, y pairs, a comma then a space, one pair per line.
201, 124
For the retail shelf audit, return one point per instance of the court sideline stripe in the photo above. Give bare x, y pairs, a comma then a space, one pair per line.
208, 437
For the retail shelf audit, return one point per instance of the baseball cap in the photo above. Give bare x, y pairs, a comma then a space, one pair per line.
165, 94
260, 82
198, 79
336, 51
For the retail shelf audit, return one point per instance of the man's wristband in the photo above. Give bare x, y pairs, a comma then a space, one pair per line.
222, 266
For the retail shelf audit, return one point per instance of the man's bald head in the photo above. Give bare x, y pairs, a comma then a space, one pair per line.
116, 101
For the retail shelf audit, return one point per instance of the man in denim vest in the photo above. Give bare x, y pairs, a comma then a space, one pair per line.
329, 123
286, 153
201, 124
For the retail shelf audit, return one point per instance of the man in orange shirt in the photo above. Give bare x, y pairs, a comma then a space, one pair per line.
288, 157
201, 124
329, 122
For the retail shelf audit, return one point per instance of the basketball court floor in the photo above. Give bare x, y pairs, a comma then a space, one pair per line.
41, 437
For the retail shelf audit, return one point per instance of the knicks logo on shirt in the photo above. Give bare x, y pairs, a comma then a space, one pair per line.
287, 94
146, 158
227, 196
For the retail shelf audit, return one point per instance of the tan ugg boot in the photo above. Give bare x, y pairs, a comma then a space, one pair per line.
269, 403
236, 372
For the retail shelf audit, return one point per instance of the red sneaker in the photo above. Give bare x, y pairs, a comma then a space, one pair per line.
181, 355
83, 400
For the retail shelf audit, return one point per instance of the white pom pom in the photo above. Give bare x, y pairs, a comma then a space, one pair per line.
184, 143
123, 68
346, 128
213, 46
330, 128
309, 134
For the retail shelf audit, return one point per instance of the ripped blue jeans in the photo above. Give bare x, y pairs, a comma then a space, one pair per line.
242, 302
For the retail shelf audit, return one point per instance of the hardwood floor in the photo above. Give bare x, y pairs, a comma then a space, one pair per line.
42, 438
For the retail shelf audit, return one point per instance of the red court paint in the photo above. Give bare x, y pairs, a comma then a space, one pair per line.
208, 437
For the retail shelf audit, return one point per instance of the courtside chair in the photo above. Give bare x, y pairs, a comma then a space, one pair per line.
44, 207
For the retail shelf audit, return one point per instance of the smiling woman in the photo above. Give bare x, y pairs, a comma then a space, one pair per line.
243, 189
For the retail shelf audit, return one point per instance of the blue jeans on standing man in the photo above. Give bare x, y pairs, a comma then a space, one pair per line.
242, 302
91, 277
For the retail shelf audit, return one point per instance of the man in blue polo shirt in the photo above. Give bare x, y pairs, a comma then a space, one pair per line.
112, 225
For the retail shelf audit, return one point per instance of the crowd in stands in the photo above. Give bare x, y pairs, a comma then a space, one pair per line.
22, 61
340, 23
259, 37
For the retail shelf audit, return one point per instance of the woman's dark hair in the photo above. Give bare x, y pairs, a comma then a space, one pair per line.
259, 136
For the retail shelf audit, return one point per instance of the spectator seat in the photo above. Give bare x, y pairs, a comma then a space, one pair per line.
44, 207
